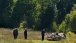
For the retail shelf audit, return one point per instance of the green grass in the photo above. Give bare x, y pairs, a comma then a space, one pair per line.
6, 36
26, 41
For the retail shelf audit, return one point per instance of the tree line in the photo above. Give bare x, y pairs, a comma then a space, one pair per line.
52, 15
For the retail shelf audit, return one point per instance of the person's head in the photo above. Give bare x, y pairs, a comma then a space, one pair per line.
16, 28
25, 28
43, 29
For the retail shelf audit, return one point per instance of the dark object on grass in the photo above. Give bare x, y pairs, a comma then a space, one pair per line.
25, 33
15, 33
43, 34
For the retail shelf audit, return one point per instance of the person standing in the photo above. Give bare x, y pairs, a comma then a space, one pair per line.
25, 33
43, 34
15, 33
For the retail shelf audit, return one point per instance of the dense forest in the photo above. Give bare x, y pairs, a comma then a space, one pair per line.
52, 15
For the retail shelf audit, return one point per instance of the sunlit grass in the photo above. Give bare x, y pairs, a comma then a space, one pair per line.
71, 38
6, 36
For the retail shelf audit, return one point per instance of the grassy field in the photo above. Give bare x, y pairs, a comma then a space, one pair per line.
6, 36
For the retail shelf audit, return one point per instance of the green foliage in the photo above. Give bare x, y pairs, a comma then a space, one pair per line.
38, 14
73, 18
62, 27
70, 21
21, 26
14, 0
64, 7
55, 26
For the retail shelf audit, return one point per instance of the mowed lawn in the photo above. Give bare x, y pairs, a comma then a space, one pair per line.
6, 36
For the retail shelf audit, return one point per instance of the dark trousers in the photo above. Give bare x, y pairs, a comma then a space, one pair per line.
25, 37
42, 37
15, 36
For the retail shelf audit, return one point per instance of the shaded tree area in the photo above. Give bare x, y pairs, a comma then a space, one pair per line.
47, 18
36, 14
64, 7
18, 13
68, 24
5, 12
